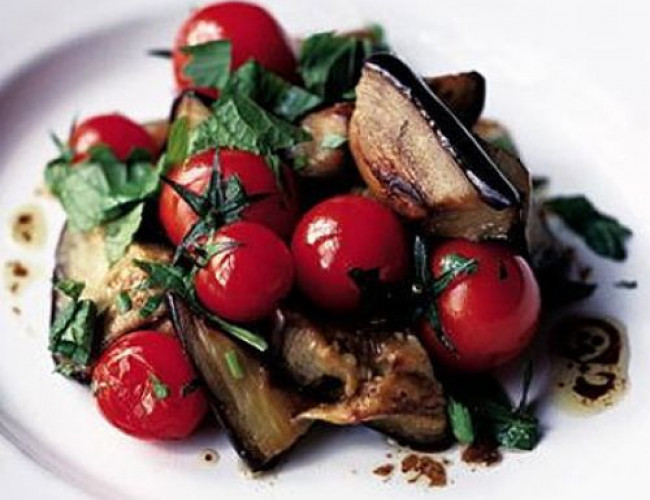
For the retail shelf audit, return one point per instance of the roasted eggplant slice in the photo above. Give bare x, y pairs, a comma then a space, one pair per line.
379, 378
463, 94
257, 412
324, 155
420, 159
158, 130
82, 257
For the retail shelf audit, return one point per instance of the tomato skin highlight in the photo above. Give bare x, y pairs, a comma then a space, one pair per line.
124, 379
490, 316
121, 134
246, 281
339, 235
278, 210
253, 32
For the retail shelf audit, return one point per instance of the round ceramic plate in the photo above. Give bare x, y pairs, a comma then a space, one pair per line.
569, 83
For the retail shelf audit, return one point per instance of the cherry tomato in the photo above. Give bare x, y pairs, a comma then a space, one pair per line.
247, 278
341, 234
278, 210
489, 315
121, 134
252, 31
143, 385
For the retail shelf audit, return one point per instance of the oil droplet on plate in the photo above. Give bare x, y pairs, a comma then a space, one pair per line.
590, 358
28, 226
210, 457
16, 276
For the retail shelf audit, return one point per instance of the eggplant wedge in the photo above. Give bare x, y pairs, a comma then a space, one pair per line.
257, 412
82, 257
463, 93
192, 106
420, 159
383, 379
325, 154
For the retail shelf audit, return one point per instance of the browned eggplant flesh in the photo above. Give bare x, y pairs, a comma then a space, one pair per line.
380, 378
418, 157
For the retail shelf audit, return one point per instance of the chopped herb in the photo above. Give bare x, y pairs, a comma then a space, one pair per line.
71, 288
629, 284
234, 366
209, 64
151, 305
270, 91
160, 390
333, 141
602, 233
123, 302
460, 419
180, 281
72, 332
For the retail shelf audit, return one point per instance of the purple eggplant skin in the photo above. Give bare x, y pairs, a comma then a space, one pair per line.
263, 433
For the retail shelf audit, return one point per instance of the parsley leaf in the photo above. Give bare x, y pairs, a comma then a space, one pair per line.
177, 142
71, 337
209, 64
602, 233
270, 91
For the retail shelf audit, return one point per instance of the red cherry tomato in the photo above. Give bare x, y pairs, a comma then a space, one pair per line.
246, 280
339, 235
278, 210
121, 134
489, 316
139, 384
252, 31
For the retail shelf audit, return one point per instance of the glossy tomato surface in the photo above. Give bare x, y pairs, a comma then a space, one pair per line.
121, 134
342, 234
253, 32
277, 210
490, 315
141, 383
249, 276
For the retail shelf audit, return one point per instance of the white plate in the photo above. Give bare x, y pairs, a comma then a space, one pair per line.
571, 82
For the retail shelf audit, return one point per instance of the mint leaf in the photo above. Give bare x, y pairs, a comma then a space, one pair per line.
330, 64
240, 123
460, 419
71, 288
119, 233
271, 92
71, 337
209, 64
602, 233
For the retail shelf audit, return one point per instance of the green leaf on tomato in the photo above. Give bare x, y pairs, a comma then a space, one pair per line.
209, 64
270, 91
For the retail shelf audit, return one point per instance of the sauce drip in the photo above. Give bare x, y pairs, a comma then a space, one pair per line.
493, 187
590, 363
28, 226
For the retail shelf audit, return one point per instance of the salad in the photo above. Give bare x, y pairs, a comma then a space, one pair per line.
315, 235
